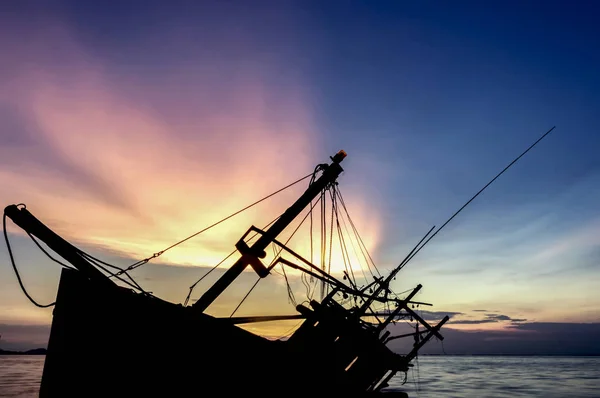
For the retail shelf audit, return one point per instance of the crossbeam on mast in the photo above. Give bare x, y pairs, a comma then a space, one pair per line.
329, 175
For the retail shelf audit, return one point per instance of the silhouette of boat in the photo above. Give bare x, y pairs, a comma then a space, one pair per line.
112, 338
105, 334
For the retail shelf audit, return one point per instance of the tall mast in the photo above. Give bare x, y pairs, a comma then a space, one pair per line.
251, 255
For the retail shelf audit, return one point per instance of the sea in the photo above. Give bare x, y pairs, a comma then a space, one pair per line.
432, 376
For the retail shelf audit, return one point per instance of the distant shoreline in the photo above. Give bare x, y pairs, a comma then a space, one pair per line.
35, 351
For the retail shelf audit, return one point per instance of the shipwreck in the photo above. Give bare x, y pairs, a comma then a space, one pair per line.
106, 331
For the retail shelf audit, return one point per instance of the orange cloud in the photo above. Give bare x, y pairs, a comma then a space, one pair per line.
103, 166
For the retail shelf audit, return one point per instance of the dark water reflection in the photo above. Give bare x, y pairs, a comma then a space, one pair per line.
448, 376
20, 375
443, 376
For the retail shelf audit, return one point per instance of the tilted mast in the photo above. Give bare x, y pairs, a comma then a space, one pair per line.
251, 255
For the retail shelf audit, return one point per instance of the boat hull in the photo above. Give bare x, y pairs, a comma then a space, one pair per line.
107, 341
117, 342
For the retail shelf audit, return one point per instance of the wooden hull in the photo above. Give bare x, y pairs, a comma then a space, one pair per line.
107, 342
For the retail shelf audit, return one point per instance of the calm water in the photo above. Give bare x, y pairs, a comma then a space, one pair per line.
20, 375
443, 376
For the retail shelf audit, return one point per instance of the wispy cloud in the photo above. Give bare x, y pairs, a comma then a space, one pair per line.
126, 166
127, 143
102, 165
488, 318
517, 257
437, 315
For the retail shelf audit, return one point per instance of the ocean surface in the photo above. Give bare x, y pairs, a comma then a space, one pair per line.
432, 376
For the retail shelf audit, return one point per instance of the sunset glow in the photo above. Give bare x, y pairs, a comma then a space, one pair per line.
133, 182
126, 131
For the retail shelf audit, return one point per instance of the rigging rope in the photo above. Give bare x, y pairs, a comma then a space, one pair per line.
14, 265
187, 299
133, 284
323, 199
99, 264
330, 252
356, 253
157, 254
80, 252
290, 330
289, 288
340, 217
290, 292
339, 192
270, 267
48, 254
335, 215
343, 247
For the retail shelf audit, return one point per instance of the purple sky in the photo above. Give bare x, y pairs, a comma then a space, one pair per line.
127, 126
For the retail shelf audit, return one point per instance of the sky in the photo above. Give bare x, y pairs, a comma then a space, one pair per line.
127, 126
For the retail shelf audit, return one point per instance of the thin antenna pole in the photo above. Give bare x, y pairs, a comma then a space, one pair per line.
385, 283
477, 194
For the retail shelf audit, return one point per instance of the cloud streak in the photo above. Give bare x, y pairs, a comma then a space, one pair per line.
105, 166
129, 129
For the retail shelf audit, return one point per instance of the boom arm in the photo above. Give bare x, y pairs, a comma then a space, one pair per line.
30, 224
